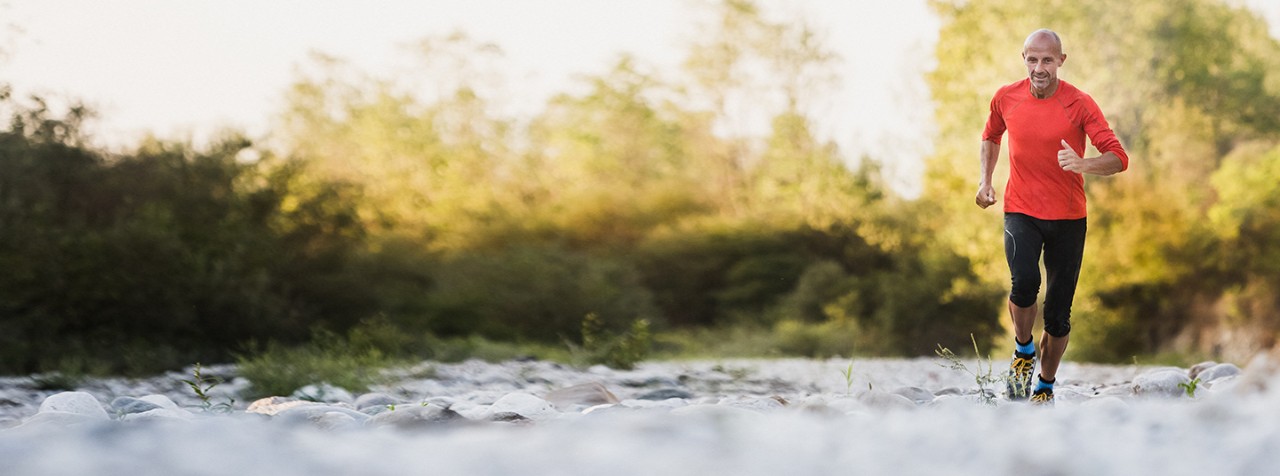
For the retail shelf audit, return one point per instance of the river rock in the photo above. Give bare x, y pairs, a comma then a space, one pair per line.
316, 413
915, 394
159, 415
1195, 370
757, 403
665, 394
130, 405
1125, 390
409, 417
1161, 383
335, 421
882, 400
161, 401
79, 403
324, 392
525, 405
272, 406
587, 394
1217, 372
375, 399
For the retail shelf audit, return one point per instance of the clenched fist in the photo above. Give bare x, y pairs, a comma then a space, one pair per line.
986, 196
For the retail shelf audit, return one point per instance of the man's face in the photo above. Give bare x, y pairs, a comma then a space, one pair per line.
1042, 58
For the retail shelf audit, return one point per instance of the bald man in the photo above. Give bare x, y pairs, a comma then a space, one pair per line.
1044, 208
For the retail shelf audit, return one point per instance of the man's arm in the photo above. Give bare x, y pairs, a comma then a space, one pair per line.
987, 157
1106, 164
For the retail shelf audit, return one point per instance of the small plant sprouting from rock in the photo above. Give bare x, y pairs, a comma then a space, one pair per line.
201, 385
983, 379
848, 378
1190, 387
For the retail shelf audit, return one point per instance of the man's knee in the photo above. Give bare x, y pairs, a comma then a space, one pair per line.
1024, 291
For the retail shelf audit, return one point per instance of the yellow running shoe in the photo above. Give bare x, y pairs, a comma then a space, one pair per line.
1018, 382
1043, 396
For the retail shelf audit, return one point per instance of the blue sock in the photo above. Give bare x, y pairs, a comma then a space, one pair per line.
1028, 348
1041, 384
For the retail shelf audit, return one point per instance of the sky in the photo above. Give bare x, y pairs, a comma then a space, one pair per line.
190, 68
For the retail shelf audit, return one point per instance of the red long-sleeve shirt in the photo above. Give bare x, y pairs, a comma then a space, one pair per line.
1038, 186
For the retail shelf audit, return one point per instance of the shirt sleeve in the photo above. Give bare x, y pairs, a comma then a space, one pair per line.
1100, 133
995, 121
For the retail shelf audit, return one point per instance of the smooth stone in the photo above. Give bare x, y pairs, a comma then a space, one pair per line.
668, 403
130, 405
324, 392
915, 394
315, 413
953, 400
415, 417
1200, 367
878, 399
760, 404
274, 405
161, 401
604, 407
1224, 385
1126, 390
651, 382
949, 391
508, 417
80, 403
1161, 383
376, 399
446, 402
1071, 394
665, 394
335, 421
586, 394
471, 411
159, 414
1218, 372
524, 404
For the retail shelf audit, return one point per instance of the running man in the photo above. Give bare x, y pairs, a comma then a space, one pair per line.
1044, 207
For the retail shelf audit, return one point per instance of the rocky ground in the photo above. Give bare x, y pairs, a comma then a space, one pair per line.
739, 417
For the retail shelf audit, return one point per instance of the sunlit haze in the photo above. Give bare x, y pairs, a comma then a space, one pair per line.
188, 69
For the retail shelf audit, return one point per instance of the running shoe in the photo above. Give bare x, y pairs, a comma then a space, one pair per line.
1021, 370
1043, 396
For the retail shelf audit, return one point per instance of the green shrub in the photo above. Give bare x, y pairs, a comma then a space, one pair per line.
617, 350
280, 369
533, 293
818, 340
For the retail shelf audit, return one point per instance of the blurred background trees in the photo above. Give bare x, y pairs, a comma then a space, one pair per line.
698, 208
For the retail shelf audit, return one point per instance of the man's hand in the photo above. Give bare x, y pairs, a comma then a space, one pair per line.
986, 196
1069, 160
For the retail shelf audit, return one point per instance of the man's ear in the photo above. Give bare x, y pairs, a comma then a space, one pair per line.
1062, 60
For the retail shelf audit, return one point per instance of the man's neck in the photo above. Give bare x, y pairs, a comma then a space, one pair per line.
1047, 92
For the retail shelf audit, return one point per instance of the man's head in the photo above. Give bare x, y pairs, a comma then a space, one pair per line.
1042, 54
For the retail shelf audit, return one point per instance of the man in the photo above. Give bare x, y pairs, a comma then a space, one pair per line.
1047, 120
